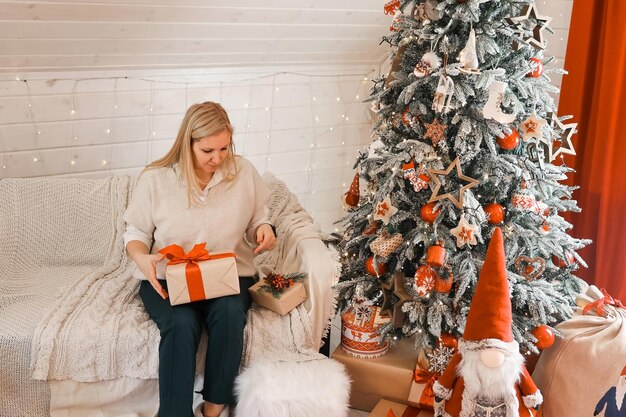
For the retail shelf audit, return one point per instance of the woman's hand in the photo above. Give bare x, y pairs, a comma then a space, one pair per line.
265, 238
147, 264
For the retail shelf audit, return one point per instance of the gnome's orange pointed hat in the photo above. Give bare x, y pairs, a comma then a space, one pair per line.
490, 313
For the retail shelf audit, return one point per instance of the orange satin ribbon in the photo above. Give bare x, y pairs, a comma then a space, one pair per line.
599, 304
428, 395
193, 275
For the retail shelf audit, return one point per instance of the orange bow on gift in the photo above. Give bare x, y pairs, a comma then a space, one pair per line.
177, 255
599, 304
424, 377
193, 275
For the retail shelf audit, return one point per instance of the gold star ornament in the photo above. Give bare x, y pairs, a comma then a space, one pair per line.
469, 183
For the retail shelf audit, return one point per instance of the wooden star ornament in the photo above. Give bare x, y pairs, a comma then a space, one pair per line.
397, 287
465, 232
566, 132
435, 173
523, 23
435, 131
531, 127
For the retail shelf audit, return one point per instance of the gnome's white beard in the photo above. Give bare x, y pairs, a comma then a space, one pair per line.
497, 384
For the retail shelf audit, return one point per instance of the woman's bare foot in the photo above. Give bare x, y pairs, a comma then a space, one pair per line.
212, 410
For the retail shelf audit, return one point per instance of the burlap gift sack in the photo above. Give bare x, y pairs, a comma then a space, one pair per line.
581, 374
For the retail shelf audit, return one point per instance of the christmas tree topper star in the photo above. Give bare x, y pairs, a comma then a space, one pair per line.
434, 174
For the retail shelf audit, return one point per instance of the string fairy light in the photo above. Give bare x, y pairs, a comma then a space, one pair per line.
73, 138
150, 124
247, 124
36, 131
268, 137
111, 131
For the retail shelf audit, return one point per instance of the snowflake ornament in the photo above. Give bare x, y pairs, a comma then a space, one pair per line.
438, 359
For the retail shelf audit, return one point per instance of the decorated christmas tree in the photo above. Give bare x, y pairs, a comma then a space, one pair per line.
466, 138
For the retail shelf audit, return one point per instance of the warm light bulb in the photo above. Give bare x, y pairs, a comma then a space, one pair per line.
108, 130
72, 162
72, 111
35, 159
104, 162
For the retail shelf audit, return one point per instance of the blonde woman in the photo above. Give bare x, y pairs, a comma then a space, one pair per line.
200, 191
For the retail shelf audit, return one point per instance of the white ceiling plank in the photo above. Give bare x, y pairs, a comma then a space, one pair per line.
147, 47
376, 5
201, 31
61, 62
175, 14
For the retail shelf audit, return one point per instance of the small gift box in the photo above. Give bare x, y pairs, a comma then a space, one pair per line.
198, 275
386, 408
428, 368
278, 293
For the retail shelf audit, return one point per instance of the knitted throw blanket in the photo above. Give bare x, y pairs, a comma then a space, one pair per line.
292, 337
98, 328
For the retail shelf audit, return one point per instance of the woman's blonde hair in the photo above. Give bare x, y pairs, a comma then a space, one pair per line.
201, 120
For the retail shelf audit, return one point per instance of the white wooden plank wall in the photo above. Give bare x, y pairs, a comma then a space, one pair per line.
561, 13
305, 129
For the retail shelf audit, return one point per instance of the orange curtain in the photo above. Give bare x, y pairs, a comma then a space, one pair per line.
594, 92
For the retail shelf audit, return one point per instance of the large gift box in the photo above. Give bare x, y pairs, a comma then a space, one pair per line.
584, 372
280, 301
388, 376
386, 408
198, 275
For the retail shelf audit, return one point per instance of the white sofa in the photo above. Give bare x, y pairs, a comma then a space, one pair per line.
70, 316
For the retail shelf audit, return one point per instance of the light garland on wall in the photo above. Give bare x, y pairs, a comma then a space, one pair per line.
317, 131
151, 132
36, 131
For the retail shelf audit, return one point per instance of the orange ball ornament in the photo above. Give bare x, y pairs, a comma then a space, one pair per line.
425, 278
562, 263
369, 266
428, 212
509, 141
449, 341
443, 284
495, 213
544, 335
537, 66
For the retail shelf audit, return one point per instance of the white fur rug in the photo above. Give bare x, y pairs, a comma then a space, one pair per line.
316, 388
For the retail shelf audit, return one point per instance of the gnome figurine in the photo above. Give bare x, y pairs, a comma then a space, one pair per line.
487, 377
